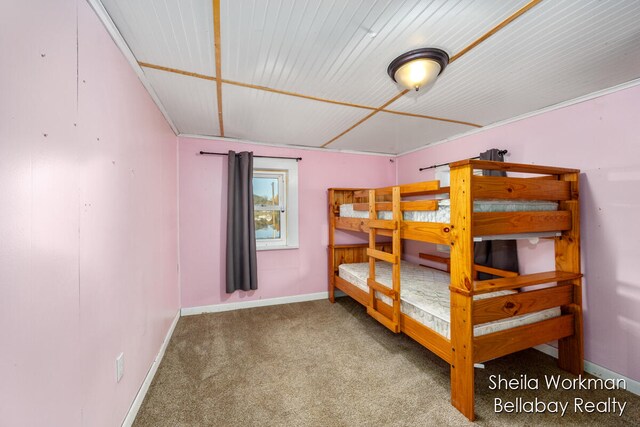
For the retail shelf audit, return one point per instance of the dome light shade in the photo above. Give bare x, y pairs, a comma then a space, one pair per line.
418, 68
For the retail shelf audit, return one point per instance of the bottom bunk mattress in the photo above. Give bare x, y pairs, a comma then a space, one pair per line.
425, 296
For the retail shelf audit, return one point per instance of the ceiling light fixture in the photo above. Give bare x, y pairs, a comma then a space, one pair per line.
418, 68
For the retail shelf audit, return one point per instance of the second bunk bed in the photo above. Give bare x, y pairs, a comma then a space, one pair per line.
447, 310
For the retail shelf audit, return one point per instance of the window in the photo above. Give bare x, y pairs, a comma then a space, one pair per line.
275, 200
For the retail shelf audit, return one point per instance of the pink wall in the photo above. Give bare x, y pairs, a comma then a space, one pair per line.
600, 137
88, 227
282, 272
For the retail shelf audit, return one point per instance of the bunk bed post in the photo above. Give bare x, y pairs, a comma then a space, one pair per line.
567, 254
462, 373
396, 248
372, 245
332, 231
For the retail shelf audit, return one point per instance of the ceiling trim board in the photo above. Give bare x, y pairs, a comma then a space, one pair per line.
290, 147
475, 43
216, 42
367, 117
300, 95
422, 116
117, 38
177, 71
495, 29
564, 104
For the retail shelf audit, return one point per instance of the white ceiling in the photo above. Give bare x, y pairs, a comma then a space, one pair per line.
556, 51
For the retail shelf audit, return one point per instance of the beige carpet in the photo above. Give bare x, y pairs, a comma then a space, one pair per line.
322, 364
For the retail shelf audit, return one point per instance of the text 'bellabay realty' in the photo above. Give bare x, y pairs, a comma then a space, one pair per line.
555, 382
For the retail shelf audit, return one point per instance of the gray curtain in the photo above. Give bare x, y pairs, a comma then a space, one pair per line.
502, 254
241, 234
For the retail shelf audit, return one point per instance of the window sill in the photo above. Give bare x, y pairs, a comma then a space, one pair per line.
275, 248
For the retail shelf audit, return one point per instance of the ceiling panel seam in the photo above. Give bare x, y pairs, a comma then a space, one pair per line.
299, 95
216, 42
497, 28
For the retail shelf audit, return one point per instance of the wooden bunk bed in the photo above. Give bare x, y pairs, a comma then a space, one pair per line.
462, 350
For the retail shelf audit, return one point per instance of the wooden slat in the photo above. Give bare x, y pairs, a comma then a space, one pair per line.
388, 323
348, 197
492, 223
515, 339
383, 224
434, 232
349, 254
426, 337
551, 177
360, 245
382, 256
418, 205
494, 187
414, 189
490, 309
382, 289
494, 271
353, 291
512, 167
493, 285
352, 224
364, 195
440, 190
365, 207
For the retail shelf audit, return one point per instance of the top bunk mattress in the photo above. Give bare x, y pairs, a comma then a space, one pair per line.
425, 296
443, 213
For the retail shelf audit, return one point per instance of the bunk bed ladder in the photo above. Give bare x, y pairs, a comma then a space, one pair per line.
392, 323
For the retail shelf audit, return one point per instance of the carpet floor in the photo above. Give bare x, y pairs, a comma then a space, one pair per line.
322, 364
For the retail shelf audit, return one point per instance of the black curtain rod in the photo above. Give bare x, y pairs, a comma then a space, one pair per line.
501, 152
297, 159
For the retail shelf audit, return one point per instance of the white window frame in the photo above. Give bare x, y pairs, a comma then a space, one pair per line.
281, 177
287, 172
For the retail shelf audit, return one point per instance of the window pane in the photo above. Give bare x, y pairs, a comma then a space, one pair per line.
266, 191
267, 224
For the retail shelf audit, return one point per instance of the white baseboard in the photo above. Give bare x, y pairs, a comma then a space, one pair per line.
633, 386
217, 308
137, 402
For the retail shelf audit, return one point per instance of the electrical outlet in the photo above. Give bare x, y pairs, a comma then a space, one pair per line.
119, 367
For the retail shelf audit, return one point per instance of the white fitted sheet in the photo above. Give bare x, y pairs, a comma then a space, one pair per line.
443, 213
425, 296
